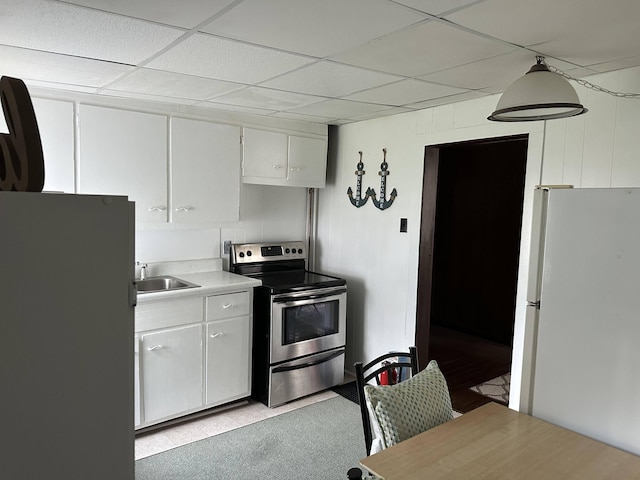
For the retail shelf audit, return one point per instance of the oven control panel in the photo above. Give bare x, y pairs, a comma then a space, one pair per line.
267, 252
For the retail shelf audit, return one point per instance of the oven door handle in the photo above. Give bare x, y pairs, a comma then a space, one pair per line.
288, 368
291, 298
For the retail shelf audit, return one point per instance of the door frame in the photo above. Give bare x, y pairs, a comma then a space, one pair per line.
521, 362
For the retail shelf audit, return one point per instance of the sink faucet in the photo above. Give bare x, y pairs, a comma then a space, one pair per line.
143, 270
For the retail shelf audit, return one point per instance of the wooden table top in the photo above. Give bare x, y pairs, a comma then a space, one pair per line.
494, 442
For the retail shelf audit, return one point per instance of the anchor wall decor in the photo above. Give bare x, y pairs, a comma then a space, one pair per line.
358, 201
383, 203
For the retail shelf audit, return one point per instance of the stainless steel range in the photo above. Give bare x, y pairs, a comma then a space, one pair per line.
299, 322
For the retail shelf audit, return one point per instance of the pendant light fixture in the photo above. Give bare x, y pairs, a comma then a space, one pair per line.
539, 95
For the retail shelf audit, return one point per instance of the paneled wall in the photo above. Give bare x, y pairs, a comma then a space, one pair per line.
600, 148
381, 264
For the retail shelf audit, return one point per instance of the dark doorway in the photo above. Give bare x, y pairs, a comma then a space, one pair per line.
469, 248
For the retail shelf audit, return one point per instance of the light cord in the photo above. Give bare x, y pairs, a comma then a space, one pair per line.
590, 85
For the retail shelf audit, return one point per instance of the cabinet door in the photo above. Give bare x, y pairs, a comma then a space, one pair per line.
307, 162
125, 153
205, 171
56, 126
136, 381
171, 372
264, 154
228, 360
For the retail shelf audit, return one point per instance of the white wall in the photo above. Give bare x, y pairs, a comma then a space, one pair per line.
381, 265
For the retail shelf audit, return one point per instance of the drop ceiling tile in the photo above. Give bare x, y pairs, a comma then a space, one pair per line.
330, 79
577, 31
437, 7
50, 67
382, 113
617, 64
147, 96
303, 118
59, 86
207, 56
169, 84
590, 49
404, 92
423, 49
495, 72
446, 100
518, 21
257, 97
236, 108
338, 109
312, 27
342, 121
185, 13
82, 32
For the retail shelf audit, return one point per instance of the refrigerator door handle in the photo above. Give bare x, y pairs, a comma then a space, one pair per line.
133, 294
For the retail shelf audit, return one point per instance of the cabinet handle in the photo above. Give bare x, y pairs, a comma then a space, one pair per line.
155, 347
157, 209
217, 334
228, 305
184, 209
276, 167
295, 169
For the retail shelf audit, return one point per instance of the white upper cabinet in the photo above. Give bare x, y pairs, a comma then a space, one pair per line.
125, 153
56, 126
264, 155
307, 162
205, 171
272, 158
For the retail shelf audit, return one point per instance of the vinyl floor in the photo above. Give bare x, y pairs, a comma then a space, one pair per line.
166, 437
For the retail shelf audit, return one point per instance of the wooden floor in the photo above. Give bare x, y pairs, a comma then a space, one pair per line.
465, 362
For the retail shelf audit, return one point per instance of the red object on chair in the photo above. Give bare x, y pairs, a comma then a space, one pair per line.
388, 377
393, 377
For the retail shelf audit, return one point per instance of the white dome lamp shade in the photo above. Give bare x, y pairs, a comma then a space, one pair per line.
539, 95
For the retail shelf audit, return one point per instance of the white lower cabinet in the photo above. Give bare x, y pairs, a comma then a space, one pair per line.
172, 371
192, 353
136, 381
228, 353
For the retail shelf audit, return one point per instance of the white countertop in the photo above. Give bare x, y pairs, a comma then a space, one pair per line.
211, 283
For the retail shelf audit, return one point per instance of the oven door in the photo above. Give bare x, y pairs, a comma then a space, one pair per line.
307, 322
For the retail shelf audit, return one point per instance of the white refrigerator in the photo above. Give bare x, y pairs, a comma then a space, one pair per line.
66, 336
583, 306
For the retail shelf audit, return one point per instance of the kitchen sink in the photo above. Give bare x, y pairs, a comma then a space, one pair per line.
162, 284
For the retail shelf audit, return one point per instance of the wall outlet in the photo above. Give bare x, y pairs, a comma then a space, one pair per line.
403, 225
226, 247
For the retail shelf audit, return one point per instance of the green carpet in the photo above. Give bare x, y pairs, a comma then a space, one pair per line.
320, 441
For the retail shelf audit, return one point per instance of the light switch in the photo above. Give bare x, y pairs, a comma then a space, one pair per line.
403, 225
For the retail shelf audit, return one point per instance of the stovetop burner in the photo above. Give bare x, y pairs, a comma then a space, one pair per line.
280, 267
291, 281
